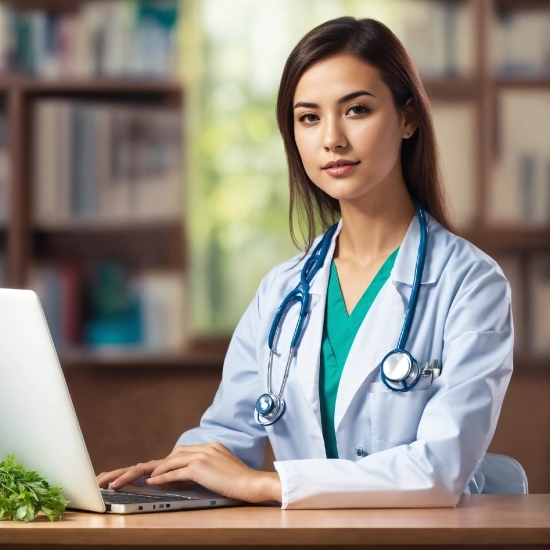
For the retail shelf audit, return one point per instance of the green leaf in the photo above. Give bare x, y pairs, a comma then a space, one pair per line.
24, 493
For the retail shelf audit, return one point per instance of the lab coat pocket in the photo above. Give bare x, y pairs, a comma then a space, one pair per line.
395, 417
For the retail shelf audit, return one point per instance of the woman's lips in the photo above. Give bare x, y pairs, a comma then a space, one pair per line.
342, 170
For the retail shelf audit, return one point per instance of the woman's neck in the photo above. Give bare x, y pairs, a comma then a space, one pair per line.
374, 225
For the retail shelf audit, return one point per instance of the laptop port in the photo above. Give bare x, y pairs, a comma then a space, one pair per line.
107, 507
140, 507
161, 505
168, 506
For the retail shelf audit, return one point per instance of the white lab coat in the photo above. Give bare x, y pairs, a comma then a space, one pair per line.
422, 447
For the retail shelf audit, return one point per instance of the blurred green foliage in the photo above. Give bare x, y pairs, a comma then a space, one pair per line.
237, 186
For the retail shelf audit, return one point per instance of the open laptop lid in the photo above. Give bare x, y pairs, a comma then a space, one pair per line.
37, 419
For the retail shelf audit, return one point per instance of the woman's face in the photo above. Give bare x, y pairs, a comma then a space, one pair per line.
347, 129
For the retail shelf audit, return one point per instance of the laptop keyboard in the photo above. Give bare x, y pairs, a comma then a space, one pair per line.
131, 498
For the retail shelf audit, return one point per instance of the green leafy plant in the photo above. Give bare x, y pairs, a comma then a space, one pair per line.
24, 493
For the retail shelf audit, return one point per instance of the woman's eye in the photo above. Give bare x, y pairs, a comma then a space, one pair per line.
308, 118
357, 110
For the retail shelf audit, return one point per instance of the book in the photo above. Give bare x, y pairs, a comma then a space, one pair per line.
438, 36
102, 161
162, 295
111, 305
540, 307
52, 148
519, 192
454, 125
4, 170
521, 42
116, 39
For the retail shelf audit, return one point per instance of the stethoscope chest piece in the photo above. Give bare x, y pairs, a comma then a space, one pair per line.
269, 408
400, 372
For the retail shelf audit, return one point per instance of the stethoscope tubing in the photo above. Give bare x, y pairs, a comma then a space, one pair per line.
417, 280
301, 295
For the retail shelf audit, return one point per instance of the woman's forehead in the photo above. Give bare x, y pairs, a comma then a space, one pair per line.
337, 76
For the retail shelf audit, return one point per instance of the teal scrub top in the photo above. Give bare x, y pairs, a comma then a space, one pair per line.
338, 334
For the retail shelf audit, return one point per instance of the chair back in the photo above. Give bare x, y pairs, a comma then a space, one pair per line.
499, 475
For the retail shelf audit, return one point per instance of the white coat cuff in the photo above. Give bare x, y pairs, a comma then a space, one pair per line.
281, 470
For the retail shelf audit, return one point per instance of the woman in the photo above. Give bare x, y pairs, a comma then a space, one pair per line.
360, 145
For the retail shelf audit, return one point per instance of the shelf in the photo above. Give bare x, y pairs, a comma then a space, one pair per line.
140, 359
204, 352
532, 364
520, 5
509, 238
108, 226
96, 86
451, 89
151, 244
540, 81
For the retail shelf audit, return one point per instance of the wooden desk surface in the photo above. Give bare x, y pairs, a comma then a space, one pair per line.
490, 521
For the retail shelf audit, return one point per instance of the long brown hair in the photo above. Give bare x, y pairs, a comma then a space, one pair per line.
376, 44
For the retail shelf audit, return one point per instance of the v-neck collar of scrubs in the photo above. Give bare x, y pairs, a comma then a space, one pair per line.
341, 326
338, 335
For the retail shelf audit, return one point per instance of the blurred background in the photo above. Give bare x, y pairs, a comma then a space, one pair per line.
144, 194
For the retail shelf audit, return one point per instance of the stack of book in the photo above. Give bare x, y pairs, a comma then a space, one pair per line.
540, 288
111, 307
4, 170
520, 190
99, 38
437, 35
96, 161
455, 129
522, 42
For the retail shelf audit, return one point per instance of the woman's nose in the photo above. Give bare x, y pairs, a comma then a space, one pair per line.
334, 137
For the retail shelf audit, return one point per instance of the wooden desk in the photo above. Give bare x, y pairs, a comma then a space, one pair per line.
481, 521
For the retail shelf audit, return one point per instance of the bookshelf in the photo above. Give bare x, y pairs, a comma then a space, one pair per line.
482, 90
159, 243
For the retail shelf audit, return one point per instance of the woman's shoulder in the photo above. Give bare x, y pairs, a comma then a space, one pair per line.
457, 257
286, 275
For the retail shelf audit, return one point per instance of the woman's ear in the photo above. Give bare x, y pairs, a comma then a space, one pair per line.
409, 118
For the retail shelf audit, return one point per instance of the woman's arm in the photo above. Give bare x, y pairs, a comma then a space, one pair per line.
226, 451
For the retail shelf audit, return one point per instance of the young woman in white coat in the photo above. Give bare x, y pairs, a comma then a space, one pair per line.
362, 154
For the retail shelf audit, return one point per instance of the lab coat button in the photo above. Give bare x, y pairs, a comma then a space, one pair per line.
359, 451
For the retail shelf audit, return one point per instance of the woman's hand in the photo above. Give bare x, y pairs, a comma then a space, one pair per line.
123, 476
211, 465
215, 467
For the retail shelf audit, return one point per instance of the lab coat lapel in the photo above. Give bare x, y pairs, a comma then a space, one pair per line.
381, 328
308, 353
377, 335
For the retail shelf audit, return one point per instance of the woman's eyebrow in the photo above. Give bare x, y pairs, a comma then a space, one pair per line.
353, 95
344, 99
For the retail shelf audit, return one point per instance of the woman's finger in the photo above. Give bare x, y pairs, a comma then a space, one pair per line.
178, 461
135, 472
173, 476
104, 478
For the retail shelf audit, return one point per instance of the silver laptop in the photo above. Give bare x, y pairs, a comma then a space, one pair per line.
39, 425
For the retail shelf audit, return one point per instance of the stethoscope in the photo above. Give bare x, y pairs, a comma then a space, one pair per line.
399, 370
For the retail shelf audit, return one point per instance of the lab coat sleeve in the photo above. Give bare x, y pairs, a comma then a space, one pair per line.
456, 426
230, 418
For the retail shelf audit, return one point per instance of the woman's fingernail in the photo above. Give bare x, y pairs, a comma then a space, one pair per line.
114, 483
